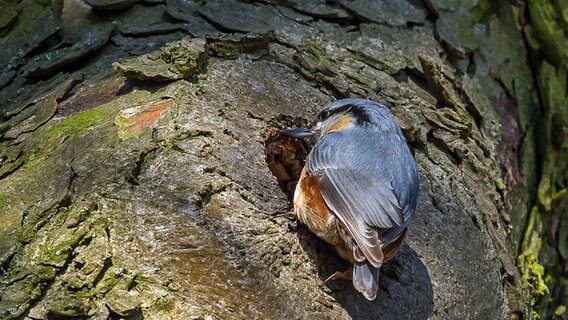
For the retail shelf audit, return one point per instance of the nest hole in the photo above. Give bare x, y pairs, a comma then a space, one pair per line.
286, 156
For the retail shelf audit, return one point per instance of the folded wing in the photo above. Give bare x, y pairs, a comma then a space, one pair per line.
361, 200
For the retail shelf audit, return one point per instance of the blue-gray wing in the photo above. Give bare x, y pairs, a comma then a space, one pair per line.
361, 199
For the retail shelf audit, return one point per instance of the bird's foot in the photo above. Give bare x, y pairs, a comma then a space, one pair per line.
346, 275
292, 216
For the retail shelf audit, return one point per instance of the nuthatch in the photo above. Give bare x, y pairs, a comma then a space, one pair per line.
359, 187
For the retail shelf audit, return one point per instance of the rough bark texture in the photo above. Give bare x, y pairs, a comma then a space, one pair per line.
135, 134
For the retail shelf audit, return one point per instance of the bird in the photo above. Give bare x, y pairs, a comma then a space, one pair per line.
359, 187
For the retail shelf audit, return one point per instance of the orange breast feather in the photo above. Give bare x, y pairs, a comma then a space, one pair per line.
312, 210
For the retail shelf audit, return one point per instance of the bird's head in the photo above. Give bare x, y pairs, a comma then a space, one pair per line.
343, 114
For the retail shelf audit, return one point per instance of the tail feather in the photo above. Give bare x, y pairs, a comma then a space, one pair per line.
366, 279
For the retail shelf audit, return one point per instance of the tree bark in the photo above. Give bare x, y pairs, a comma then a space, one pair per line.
141, 174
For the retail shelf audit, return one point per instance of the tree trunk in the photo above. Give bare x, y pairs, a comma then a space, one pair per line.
142, 176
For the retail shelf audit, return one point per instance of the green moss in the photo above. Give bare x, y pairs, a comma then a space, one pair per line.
7, 222
81, 121
230, 45
51, 136
48, 138
532, 271
560, 310
5, 203
52, 237
177, 60
186, 59
8, 14
546, 151
548, 30
532, 41
562, 6
46, 274
70, 303
34, 221
481, 11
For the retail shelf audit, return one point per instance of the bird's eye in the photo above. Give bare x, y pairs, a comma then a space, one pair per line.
323, 115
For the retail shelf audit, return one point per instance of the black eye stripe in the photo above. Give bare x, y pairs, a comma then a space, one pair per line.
359, 113
324, 114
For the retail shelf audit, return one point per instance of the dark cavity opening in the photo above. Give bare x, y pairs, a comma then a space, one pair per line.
286, 156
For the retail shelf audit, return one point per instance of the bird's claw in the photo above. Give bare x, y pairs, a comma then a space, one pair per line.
291, 216
346, 275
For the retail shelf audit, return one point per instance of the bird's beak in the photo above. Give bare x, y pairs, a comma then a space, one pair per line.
297, 133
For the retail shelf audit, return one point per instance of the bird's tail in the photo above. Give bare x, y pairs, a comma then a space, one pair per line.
366, 279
